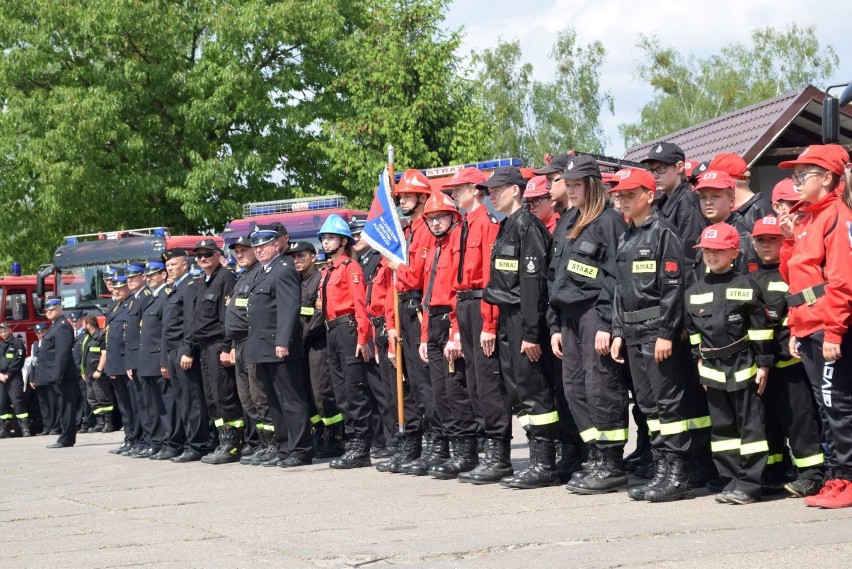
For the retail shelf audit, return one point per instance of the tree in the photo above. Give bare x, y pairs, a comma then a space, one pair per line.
690, 90
536, 117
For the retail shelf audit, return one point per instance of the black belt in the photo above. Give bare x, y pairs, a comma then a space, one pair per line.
411, 295
335, 322
378, 321
470, 294
808, 296
643, 315
729, 350
439, 310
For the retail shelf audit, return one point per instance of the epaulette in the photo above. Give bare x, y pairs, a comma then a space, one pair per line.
493, 218
190, 282
148, 292
347, 261
168, 291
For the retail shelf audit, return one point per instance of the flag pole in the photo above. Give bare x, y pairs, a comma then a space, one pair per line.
400, 408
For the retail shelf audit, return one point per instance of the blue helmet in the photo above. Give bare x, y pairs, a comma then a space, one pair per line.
335, 225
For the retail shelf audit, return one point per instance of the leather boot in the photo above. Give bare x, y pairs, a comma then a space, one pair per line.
641, 454
438, 452
409, 448
495, 469
25, 428
507, 480
541, 470
267, 449
465, 457
592, 461
260, 447
483, 462
570, 461
357, 456
661, 468
6, 429
99, 424
231, 440
609, 475
317, 432
108, 426
16, 428
219, 449
676, 485
332, 442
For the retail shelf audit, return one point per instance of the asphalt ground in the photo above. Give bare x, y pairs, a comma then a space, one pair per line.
83, 507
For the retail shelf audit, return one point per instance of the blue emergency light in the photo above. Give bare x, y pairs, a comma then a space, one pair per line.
160, 231
70, 240
487, 165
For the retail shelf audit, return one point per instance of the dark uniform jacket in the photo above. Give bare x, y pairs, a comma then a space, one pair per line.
93, 346
682, 210
212, 296
180, 303
12, 360
648, 299
584, 270
273, 314
236, 319
114, 328
151, 334
313, 325
55, 360
729, 330
519, 261
756, 207
774, 291
567, 218
133, 325
76, 351
36, 376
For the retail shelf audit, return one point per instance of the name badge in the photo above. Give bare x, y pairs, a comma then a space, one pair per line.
506, 264
644, 266
705, 298
10, 356
778, 286
241, 302
581, 269
95, 349
738, 293
307, 311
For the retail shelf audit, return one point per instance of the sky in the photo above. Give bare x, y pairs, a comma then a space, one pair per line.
617, 24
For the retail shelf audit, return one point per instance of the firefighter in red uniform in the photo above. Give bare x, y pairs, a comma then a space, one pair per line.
537, 196
347, 325
413, 190
438, 347
815, 262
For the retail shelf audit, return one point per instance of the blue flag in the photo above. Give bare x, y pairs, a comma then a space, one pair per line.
383, 230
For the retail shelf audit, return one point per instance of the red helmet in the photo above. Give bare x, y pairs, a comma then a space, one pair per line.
439, 202
413, 182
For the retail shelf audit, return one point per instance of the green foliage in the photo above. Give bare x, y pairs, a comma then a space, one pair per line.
690, 90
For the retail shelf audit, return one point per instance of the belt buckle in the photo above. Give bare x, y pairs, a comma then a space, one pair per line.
809, 296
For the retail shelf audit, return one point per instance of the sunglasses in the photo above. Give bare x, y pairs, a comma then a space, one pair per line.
206, 255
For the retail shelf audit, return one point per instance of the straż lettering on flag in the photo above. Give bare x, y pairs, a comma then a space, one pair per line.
383, 230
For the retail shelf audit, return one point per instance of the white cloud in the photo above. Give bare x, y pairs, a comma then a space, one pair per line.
691, 27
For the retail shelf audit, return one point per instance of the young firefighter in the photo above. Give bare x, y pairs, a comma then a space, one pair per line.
537, 196
749, 206
347, 325
437, 347
790, 411
729, 329
647, 320
784, 197
816, 261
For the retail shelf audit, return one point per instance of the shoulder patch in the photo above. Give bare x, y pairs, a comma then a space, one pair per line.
148, 292
356, 278
671, 268
493, 218
168, 290
347, 261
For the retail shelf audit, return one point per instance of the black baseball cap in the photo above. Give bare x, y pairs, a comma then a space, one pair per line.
299, 246
580, 167
174, 254
698, 170
279, 227
665, 152
241, 240
208, 244
502, 176
557, 164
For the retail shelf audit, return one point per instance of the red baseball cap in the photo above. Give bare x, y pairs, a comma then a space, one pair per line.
784, 190
465, 176
828, 156
733, 164
631, 179
536, 187
716, 179
766, 226
719, 236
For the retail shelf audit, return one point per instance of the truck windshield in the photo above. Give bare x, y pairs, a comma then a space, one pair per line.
83, 288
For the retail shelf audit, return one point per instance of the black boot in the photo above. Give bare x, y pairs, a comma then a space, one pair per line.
6, 429
641, 455
506, 481
230, 442
99, 424
661, 468
409, 448
438, 452
25, 428
541, 471
676, 485
108, 426
465, 457
497, 467
570, 461
332, 441
593, 459
317, 435
219, 449
483, 462
357, 456
267, 450
609, 475
16, 428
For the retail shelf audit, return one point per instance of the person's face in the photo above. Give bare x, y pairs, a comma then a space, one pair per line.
108, 285
719, 260
408, 201
359, 245
503, 197
245, 256
331, 243
634, 203
439, 223
155, 280
53, 312
283, 243
304, 261
40, 334
768, 247
90, 329
782, 207
557, 188
810, 182
267, 251
121, 292
135, 282
668, 176
541, 207
5, 334
176, 268
208, 260
716, 204
464, 195
576, 192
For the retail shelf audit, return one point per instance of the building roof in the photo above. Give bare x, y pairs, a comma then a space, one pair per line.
790, 120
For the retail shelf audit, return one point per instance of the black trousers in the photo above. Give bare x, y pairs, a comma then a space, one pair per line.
220, 387
68, 399
84, 411
242, 371
529, 387
412, 416
174, 435
658, 389
449, 388
99, 395
152, 409
351, 371
146, 415
594, 387
831, 383
486, 389
48, 402
738, 438
191, 405
415, 370
383, 416
322, 390
260, 397
12, 398
127, 406
289, 407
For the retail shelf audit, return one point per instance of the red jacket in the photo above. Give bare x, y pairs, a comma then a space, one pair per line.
345, 293
551, 222
476, 272
446, 270
821, 251
410, 277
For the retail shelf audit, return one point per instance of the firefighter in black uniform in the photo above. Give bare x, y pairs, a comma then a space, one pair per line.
518, 286
275, 347
47, 398
213, 350
115, 368
56, 362
140, 296
749, 206
13, 410
92, 368
85, 419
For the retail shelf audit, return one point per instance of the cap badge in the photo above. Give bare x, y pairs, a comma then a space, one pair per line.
710, 234
659, 148
570, 165
709, 176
